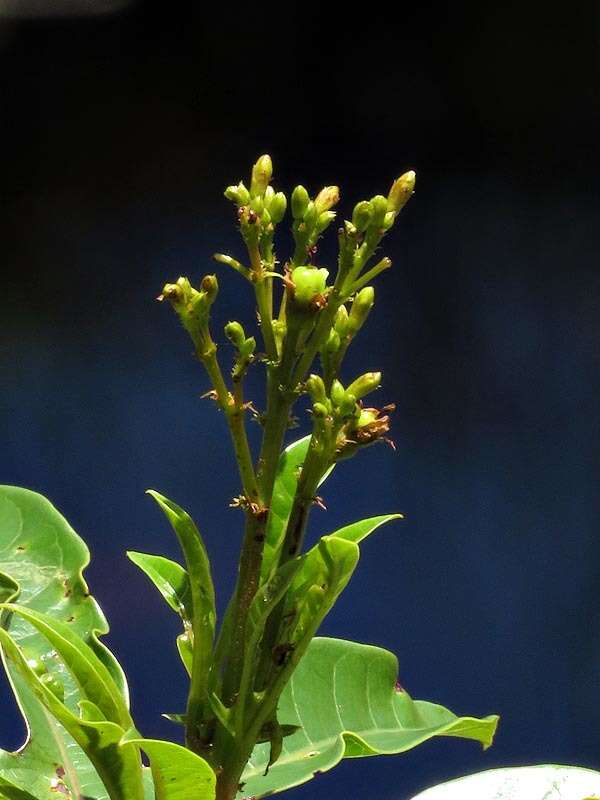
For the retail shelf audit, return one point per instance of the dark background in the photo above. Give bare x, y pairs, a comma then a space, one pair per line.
119, 134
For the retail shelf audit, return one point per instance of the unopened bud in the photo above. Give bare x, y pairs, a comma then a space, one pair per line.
361, 216
347, 407
210, 286
310, 215
320, 410
324, 220
388, 220
365, 384
257, 204
402, 188
278, 207
231, 193
309, 283
235, 333
300, 200
269, 195
379, 207
327, 198
316, 389
333, 343
337, 392
341, 321
262, 172
362, 305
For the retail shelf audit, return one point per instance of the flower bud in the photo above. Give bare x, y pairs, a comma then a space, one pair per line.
235, 333
332, 345
269, 195
320, 410
365, 384
262, 172
210, 287
347, 407
399, 195
278, 207
257, 204
310, 215
327, 198
337, 392
243, 194
324, 220
300, 201
341, 321
362, 305
388, 220
232, 193
361, 216
309, 283
316, 389
379, 207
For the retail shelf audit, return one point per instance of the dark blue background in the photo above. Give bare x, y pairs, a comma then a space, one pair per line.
119, 135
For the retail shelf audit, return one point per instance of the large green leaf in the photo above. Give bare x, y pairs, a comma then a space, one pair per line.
543, 782
178, 773
44, 558
284, 489
347, 701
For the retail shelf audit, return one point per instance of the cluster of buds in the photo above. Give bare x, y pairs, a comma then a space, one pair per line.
345, 327
193, 306
340, 413
311, 219
260, 208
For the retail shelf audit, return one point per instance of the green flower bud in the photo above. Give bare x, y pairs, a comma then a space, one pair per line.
278, 207
55, 686
300, 200
320, 410
269, 194
333, 343
231, 193
379, 207
347, 407
361, 216
316, 389
257, 204
341, 321
365, 384
337, 392
324, 220
310, 215
399, 195
327, 198
235, 333
362, 305
309, 283
262, 172
210, 288
243, 194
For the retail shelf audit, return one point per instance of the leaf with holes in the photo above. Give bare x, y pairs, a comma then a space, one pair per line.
543, 782
347, 701
44, 558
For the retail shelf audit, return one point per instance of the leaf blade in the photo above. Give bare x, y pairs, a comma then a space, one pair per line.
360, 712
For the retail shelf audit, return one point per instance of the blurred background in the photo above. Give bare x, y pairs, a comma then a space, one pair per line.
121, 124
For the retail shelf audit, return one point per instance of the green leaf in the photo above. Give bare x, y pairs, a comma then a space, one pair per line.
358, 531
171, 580
43, 556
119, 768
284, 489
346, 698
178, 773
543, 782
198, 568
93, 678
